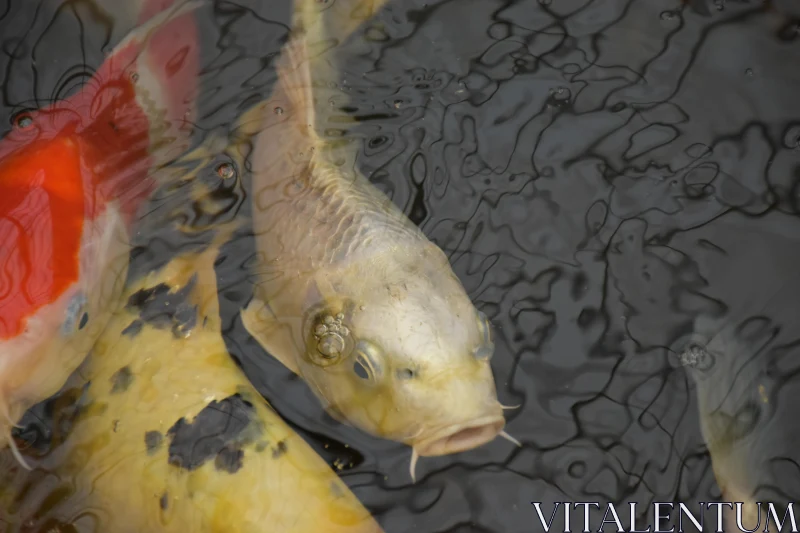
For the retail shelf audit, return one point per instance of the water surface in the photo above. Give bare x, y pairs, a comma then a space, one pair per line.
599, 173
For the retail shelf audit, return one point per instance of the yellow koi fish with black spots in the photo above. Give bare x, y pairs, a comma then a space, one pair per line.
170, 435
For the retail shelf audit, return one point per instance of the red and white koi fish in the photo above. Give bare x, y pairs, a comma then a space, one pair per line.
72, 177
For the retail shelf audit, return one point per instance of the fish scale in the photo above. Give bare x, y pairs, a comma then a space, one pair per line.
74, 175
350, 294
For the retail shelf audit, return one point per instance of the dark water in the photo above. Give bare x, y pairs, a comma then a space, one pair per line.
599, 173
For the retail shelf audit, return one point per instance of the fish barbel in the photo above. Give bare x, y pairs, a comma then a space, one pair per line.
72, 177
351, 295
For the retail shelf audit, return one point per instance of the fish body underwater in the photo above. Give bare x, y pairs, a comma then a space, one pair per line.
742, 418
72, 177
742, 361
351, 295
170, 436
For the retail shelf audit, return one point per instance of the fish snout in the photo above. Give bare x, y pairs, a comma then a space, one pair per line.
461, 437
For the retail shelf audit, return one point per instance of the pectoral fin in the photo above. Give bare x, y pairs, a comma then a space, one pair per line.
274, 337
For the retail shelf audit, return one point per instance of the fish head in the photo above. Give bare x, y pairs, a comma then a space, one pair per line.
407, 359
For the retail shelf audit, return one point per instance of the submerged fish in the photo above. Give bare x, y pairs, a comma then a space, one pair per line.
741, 357
745, 440
170, 436
72, 177
350, 294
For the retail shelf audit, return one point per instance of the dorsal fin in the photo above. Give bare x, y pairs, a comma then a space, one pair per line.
140, 34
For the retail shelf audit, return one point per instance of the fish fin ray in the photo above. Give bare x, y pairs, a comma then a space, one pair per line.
260, 322
294, 78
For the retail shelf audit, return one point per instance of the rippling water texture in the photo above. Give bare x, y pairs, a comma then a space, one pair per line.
599, 173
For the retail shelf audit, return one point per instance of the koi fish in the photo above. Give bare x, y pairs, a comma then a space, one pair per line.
739, 358
72, 177
351, 295
171, 435
735, 415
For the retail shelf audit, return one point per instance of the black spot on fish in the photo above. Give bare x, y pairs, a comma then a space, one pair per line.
261, 446
140, 298
229, 459
84, 320
215, 427
279, 450
163, 502
152, 440
121, 380
164, 309
134, 328
184, 321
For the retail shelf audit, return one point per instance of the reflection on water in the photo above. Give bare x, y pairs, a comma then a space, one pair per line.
600, 173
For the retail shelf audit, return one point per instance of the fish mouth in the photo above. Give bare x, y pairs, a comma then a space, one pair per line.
461, 437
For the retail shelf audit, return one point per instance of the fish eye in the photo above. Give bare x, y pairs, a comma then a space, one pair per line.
486, 348
23, 120
367, 362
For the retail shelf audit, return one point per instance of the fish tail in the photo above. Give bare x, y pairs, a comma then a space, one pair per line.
334, 22
317, 27
314, 22
293, 94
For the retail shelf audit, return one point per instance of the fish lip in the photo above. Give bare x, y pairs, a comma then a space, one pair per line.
461, 437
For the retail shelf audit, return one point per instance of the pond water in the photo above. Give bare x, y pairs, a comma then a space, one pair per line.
599, 172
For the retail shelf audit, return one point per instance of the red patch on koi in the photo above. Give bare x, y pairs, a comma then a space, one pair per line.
41, 222
59, 167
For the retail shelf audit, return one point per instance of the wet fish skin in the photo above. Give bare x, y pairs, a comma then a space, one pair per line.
350, 294
73, 176
739, 401
172, 437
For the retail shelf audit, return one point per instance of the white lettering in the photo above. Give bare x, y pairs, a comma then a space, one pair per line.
610, 507
739, 523
633, 521
538, 506
683, 509
586, 514
719, 512
659, 518
771, 512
